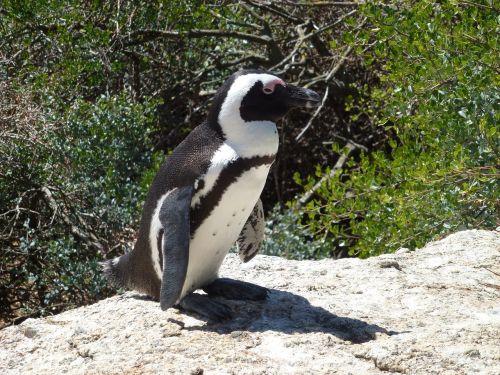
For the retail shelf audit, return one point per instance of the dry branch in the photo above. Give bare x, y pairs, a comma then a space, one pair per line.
324, 3
89, 238
315, 114
338, 165
145, 35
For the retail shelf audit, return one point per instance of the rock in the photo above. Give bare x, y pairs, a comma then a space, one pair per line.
402, 250
432, 311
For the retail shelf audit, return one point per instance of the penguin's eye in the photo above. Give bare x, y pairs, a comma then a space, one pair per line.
270, 86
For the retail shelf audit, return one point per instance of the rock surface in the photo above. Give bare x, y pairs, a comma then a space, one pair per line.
432, 311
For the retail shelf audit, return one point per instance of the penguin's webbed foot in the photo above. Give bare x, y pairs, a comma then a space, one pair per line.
236, 290
205, 306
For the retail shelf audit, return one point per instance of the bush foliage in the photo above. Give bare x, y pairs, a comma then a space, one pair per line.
93, 95
71, 189
439, 95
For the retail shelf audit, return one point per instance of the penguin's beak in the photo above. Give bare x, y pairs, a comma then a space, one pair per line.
302, 97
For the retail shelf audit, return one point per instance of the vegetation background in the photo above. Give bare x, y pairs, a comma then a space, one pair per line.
95, 94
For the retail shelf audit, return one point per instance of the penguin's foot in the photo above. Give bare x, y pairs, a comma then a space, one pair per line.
205, 306
235, 289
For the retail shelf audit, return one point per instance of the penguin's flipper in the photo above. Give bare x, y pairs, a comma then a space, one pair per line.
252, 234
174, 218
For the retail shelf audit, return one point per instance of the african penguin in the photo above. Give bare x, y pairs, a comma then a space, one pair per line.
205, 198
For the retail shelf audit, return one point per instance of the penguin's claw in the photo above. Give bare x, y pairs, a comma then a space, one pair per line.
236, 290
205, 306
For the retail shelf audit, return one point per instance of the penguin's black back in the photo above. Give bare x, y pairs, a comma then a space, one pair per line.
190, 160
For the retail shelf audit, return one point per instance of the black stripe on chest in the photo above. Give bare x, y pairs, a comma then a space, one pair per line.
227, 176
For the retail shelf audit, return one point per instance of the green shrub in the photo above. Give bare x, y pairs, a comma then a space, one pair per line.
439, 96
71, 192
285, 236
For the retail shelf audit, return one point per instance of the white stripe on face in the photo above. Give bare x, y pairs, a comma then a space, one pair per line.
247, 138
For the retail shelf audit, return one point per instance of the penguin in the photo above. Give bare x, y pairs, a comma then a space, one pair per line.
206, 197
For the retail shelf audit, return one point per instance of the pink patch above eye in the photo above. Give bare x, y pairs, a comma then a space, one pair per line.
271, 85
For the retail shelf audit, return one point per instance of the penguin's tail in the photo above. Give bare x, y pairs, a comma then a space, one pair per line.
113, 271
120, 274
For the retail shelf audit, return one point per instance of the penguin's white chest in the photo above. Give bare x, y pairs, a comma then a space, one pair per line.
219, 231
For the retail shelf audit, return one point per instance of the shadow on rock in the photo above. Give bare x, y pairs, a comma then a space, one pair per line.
290, 313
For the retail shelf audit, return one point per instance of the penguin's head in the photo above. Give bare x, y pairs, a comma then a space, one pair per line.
254, 95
